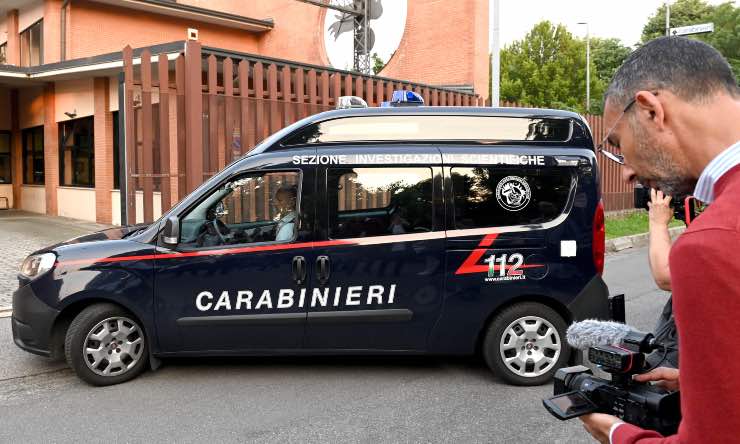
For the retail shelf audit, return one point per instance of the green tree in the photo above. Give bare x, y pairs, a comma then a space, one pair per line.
726, 19
683, 13
547, 69
378, 63
607, 56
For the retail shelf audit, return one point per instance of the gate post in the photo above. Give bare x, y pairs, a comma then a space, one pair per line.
193, 115
128, 186
122, 177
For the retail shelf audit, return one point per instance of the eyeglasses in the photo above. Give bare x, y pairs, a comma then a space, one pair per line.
618, 158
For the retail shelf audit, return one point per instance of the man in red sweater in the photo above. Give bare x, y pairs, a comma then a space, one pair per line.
674, 111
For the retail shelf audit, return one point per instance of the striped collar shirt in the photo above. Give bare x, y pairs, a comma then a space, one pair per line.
721, 164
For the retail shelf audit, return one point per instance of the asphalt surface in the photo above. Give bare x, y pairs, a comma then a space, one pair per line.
297, 400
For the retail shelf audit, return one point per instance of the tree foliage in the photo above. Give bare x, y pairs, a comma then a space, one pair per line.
607, 56
726, 19
548, 69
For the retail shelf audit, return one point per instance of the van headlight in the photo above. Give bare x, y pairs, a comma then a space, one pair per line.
38, 264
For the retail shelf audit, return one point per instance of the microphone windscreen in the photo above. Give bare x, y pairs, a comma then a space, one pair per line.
591, 332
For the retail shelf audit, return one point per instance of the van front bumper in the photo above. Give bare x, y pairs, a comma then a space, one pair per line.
32, 322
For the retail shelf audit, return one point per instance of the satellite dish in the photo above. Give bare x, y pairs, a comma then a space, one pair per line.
386, 27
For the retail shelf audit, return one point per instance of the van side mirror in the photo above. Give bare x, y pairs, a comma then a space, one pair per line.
171, 232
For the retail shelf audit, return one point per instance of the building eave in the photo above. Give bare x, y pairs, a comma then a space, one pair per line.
194, 13
96, 66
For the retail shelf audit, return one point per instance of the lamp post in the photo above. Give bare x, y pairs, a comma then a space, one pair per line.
588, 66
667, 18
495, 53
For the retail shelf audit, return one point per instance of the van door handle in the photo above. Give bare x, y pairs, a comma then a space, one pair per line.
299, 269
323, 269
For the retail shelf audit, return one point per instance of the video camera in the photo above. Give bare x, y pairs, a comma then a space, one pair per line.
578, 392
683, 209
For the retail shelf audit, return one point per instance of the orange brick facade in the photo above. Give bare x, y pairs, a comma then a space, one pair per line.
444, 43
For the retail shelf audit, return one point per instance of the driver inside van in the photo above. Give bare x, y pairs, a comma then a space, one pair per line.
285, 202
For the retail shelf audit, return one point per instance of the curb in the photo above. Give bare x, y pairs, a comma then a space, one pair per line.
635, 241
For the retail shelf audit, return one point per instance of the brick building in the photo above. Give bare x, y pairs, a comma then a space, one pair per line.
60, 59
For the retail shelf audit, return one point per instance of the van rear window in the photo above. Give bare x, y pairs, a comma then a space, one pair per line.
499, 197
433, 128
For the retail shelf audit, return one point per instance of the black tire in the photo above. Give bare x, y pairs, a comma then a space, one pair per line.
123, 366
501, 325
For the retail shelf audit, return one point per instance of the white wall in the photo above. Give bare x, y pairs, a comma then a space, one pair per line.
33, 198
77, 203
115, 197
6, 190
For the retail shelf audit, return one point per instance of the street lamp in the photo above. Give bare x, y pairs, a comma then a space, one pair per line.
588, 66
495, 53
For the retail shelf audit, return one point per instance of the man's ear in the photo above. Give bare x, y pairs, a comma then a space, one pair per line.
650, 109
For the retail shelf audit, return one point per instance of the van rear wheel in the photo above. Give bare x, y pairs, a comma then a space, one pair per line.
524, 344
106, 345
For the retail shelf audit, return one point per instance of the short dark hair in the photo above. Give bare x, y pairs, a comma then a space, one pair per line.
690, 69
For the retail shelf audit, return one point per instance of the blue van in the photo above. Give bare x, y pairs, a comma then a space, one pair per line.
428, 230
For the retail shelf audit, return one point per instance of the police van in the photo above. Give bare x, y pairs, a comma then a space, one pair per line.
411, 230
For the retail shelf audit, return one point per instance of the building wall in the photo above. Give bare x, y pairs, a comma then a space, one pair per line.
77, 203
30, 107
300, 40
33, 198
73, 96
100, 29
29, 14
442, 44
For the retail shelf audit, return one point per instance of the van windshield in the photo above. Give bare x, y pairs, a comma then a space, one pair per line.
433, 128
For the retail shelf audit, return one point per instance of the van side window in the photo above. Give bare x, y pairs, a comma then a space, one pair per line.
256, 207
379, 201
498, 197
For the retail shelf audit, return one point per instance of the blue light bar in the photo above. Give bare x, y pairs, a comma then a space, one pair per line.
406, 98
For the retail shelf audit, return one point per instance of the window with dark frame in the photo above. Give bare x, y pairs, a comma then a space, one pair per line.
32, 47
366, 202
77, 153
5, 159
33, 155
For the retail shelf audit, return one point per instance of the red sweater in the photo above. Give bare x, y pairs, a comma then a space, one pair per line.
705, 278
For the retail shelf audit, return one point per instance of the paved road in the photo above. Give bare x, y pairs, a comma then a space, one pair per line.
22, 233
297, 400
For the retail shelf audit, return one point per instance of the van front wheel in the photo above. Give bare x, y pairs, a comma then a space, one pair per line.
524, 344
105, 345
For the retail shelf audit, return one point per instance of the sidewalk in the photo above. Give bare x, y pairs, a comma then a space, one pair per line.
22, 233
638, 240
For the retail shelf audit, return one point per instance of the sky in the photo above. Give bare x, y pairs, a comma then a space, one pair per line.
623, 19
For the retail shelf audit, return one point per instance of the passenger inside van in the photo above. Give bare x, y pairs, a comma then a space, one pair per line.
285, 201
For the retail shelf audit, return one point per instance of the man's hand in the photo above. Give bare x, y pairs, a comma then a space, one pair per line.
599, 425
666, 377
660, 211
